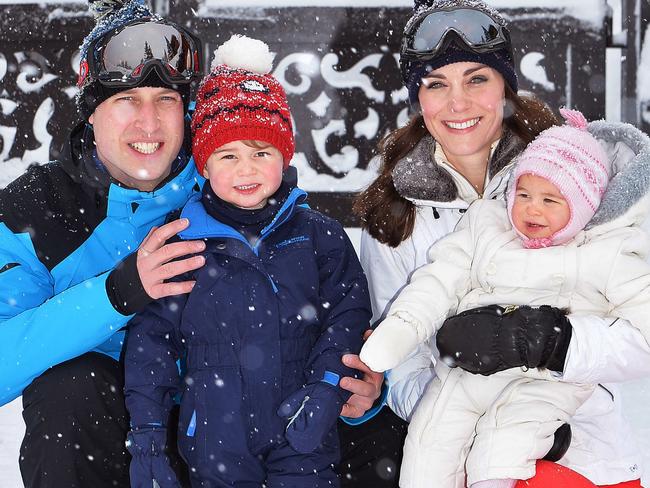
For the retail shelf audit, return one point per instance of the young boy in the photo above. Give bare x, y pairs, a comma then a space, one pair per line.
536, 250
281, 298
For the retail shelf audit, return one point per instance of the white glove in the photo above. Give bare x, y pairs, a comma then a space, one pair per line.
389, 344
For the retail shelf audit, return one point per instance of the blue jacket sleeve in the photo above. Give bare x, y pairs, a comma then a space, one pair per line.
151, 375
39, 329
345, 305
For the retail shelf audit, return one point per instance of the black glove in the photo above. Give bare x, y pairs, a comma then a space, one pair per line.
489, 339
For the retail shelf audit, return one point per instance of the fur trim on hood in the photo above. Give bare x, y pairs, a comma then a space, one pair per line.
627, 198
418, 176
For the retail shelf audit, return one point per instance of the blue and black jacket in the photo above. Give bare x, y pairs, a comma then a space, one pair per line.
263, 320
64, 226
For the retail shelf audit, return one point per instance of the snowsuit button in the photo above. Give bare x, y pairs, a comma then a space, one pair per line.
221, 246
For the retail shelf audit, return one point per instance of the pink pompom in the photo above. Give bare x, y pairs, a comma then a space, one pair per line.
574, 118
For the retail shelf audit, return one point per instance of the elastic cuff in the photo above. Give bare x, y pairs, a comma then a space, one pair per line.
124, 287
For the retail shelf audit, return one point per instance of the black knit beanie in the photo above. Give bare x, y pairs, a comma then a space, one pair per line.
112, 16
457, 51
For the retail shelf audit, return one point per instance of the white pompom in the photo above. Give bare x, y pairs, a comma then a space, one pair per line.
246, 53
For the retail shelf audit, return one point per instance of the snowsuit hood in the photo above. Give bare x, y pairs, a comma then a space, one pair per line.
627, 198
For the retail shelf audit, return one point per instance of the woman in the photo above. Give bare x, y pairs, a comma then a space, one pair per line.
457, 64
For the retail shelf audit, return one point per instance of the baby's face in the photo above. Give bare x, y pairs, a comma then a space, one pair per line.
539, 209
245, 175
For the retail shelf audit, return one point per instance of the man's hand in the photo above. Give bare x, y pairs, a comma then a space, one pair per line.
155, 265
364, 391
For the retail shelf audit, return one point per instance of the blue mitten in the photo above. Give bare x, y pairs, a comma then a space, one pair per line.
149, 461
311, 412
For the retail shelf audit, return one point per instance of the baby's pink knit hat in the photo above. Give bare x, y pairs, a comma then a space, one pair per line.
575, 162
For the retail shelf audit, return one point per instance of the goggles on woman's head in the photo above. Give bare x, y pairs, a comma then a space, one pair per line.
429, 35
124, 57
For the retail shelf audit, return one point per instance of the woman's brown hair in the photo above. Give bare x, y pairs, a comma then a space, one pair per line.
389, 217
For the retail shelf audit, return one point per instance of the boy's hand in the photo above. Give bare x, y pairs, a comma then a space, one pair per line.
149, 461
311, 413
364, 391
155, 260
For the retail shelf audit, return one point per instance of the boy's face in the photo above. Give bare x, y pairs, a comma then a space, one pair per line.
539, 209
245, 176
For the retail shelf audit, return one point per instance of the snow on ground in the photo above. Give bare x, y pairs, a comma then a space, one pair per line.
12, 429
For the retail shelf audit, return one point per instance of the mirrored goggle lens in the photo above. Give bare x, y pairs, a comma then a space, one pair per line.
476, 28
125, 54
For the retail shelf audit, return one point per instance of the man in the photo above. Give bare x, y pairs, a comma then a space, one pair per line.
70, 278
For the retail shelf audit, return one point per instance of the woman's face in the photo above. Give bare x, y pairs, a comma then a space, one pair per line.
462, 105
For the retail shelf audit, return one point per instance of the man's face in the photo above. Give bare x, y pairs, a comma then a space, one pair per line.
138, 134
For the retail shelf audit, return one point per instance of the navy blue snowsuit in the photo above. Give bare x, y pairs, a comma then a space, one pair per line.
264, 323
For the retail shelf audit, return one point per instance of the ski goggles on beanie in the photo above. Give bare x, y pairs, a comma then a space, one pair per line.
428, 34
124, 57
445, 35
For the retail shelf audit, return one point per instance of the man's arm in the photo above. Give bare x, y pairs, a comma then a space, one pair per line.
39, 329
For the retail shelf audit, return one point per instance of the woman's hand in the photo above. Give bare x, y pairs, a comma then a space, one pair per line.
365, 391
489, 339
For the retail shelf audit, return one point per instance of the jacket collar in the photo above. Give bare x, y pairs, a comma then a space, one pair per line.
202, 225
419, 178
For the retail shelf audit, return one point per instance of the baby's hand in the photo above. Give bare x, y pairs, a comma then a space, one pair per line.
389, 345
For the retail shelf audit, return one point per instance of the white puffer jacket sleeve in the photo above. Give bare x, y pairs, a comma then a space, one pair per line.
388, 270
605, 351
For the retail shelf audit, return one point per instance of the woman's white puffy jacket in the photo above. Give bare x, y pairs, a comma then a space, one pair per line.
602, 351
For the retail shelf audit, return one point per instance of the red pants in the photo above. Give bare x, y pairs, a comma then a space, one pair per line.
551, 475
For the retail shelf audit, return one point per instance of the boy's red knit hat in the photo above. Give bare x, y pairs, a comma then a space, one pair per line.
240, 100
